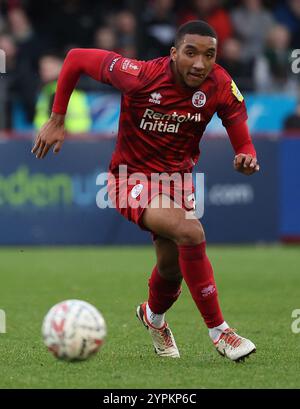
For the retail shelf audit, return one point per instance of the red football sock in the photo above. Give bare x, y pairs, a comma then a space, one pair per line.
198, 275
162, 293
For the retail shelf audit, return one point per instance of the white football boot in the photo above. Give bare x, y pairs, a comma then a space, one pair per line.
233, 346
162, 338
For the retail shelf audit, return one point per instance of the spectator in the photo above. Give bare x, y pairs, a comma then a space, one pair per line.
288, 14
251, 22
7, 87
105, 39
78, 118
125, 25
231, 60
273, 69
74, 24
213, 13
292, 122
160, 26
29, 49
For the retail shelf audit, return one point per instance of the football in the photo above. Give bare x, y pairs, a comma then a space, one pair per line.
73, 330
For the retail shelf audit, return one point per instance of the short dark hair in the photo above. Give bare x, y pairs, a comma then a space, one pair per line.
194, 27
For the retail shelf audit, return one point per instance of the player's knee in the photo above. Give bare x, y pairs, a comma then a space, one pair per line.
189, 233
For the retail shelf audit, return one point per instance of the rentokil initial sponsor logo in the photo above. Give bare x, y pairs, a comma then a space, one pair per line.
166, 122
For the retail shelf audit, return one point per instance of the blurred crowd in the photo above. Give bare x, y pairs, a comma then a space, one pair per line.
256, 38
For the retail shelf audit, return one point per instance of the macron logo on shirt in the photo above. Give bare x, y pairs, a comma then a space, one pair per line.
155, 98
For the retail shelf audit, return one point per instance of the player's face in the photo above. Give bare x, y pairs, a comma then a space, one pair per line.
193, 59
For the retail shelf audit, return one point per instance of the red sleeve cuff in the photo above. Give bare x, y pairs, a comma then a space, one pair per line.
240, 138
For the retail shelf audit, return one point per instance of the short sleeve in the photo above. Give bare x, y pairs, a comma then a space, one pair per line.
231, 108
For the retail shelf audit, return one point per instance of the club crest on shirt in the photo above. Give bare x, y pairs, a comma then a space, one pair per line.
130, 67
199, 99
236, 92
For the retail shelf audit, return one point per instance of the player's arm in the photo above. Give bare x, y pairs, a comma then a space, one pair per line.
233, 113
77, 62
101, 65
245, 160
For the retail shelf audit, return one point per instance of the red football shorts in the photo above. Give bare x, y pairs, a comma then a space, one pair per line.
132, 193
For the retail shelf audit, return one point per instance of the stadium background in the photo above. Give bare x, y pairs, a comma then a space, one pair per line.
53, 202
41, 200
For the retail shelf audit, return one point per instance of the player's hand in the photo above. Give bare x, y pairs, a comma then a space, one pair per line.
52, 133
246, 164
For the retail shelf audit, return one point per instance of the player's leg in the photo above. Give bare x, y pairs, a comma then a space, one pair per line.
167, 259
165, 281
168, 220
164, 289
185, 230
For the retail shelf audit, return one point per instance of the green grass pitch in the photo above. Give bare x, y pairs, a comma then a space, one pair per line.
258, 289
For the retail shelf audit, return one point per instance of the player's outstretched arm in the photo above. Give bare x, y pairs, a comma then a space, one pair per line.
77, 62
51, 133
245, 160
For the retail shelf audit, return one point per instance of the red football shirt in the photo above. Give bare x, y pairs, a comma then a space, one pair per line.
161, 123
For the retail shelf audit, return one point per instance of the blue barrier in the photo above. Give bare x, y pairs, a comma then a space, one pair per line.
266, 113
240, 208
289, 171
53, 201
